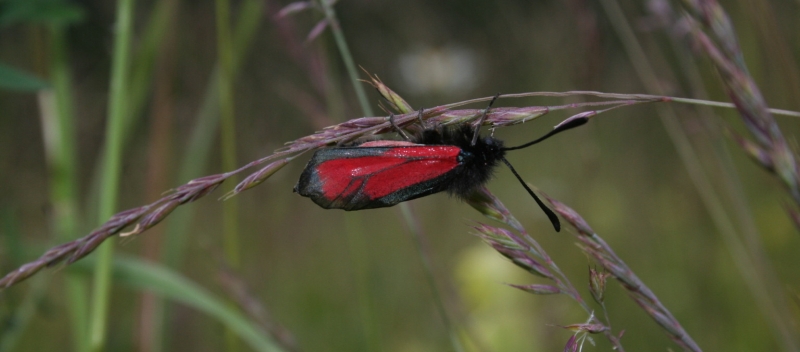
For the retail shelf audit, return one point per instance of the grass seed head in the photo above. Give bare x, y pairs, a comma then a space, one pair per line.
597, 284
538, 289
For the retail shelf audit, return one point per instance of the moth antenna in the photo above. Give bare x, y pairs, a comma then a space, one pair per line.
550, 214
483, 118
566, 125
419, 117
399, 130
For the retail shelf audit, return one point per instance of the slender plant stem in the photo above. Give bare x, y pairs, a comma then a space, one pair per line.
230, 220
112, 158
720, 104
228, 132
138, 89
617, 96
200, 145
359, 259
347, 57
416, 232
158, 38
63, 157
160, 20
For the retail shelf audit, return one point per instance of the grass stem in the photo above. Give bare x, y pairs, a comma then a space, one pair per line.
111, 159
63, 157
230, 238
347, 57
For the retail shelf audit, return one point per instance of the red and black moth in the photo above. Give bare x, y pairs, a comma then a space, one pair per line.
384, 173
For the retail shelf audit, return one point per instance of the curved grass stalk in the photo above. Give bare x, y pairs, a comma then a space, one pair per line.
147, 216
755, 270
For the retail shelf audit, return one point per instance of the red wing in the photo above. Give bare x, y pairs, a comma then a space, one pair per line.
373, 177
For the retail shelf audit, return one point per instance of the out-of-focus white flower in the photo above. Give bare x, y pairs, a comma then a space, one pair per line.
441, 70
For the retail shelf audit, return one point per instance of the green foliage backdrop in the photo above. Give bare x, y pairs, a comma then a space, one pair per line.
269, 269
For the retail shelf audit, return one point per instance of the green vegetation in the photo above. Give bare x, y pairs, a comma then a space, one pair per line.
107, 105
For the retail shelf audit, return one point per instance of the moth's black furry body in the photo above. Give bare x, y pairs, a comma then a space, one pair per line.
476, 162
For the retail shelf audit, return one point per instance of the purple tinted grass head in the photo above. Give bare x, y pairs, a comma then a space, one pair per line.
572, 344
593, 245
753, 150
582, 331
490, 206
513, 248
142, 218
597, 284
572, 217
587, 328
538, 289
528, 254
712, 31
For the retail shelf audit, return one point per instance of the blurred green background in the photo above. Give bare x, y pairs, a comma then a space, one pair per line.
340, 281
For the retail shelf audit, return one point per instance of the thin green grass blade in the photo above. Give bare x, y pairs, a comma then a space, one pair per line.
230, 209
112, 161
159, 279
59, 137
202, 140
201, 143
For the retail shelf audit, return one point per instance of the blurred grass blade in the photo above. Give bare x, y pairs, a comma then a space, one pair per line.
201, 142
61, 150
347, 57
170, 284
111, 161
15, 79
40, 11
231, 242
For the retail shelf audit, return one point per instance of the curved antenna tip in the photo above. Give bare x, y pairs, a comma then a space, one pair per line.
550, 214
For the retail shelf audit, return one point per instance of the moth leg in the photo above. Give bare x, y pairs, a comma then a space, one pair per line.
419, 117
399, 130
483, 118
